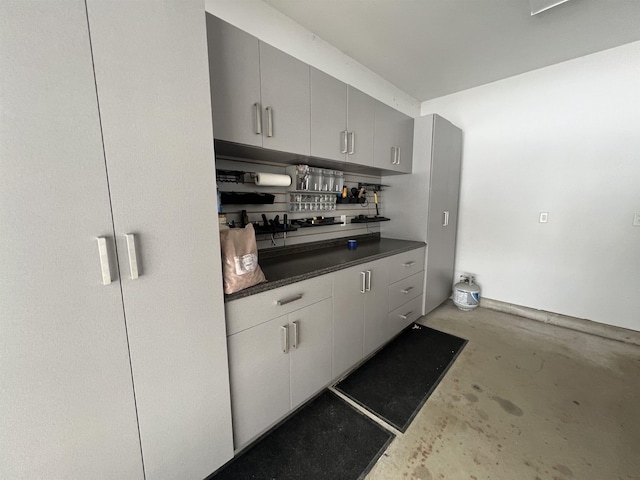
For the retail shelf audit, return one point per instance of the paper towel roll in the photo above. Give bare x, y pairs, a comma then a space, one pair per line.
272, 180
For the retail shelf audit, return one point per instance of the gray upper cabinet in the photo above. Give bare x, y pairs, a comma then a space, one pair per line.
329, 135
286, 114
116, 355
341, 121
360, 125
393, 143
234, 71
259, 95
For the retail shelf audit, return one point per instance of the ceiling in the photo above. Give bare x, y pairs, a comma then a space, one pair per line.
431, 48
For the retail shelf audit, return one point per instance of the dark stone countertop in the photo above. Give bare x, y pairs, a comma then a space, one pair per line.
286, 265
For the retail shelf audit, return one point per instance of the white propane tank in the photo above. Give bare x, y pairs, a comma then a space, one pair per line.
466, 294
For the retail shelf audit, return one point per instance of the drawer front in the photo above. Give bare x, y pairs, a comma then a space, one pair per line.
404, 315
406, 264
404, 290
247, 312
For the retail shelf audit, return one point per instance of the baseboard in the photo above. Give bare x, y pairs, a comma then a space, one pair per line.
579, 324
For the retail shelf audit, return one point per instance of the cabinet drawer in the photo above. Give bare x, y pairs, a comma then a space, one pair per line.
404, 315
404, 290
406, 264
247, 312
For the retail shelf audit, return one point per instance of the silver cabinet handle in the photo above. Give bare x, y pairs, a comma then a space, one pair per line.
133, 259
296, 329
258, 111
399, 155
445, 219
393, 155
407, 290
352, 136
368, 280
289, 300
406, 315
104, 260
409, 264
284, 339
269, 122
363, 285
345, 146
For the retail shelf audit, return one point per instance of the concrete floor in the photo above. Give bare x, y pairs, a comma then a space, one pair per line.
524, 400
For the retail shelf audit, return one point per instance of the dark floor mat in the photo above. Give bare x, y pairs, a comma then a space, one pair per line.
325, 440
396, 381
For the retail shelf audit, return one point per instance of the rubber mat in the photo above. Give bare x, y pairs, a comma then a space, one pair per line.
326, 439
396, 382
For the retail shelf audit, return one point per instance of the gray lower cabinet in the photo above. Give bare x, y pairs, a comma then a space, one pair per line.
360, 311
259, 95
109, 355
276, 364
393, 142
406, 286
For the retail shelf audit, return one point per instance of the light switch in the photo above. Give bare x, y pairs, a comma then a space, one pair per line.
544, 217
636, 220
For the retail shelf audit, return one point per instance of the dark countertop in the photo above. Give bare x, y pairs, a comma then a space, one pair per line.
286, 265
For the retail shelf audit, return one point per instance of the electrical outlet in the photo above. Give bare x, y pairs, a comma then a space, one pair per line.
544, 217
343, 219
636, 220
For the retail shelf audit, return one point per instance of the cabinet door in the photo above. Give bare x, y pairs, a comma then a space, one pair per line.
259, 371
67, 398
310, 350
152, 81
285, 101
234, 71
376, 305
385, 140
360, 124
404, 125
328, 116
443, 197
348, 318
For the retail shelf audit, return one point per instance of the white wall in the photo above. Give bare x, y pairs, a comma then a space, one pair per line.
269, 25
565, 140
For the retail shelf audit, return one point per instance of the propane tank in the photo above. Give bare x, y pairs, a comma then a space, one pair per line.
466, 294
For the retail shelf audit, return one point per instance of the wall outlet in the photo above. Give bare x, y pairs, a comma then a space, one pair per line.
544, 217
636, 220
343, 219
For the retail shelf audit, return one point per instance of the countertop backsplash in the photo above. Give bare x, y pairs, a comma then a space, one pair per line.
280, 206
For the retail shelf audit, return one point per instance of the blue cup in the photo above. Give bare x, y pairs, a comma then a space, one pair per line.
352, 244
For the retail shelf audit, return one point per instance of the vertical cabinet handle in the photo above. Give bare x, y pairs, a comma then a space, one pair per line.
284, 338
352, 137
269, 122
399, 155
445, 219
104, 260
368, 280
258, 112
393, 155
363, 285
133, 259
296, 330
345, 147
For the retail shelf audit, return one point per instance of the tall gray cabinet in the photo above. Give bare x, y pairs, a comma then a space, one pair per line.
424, 205
113, 360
